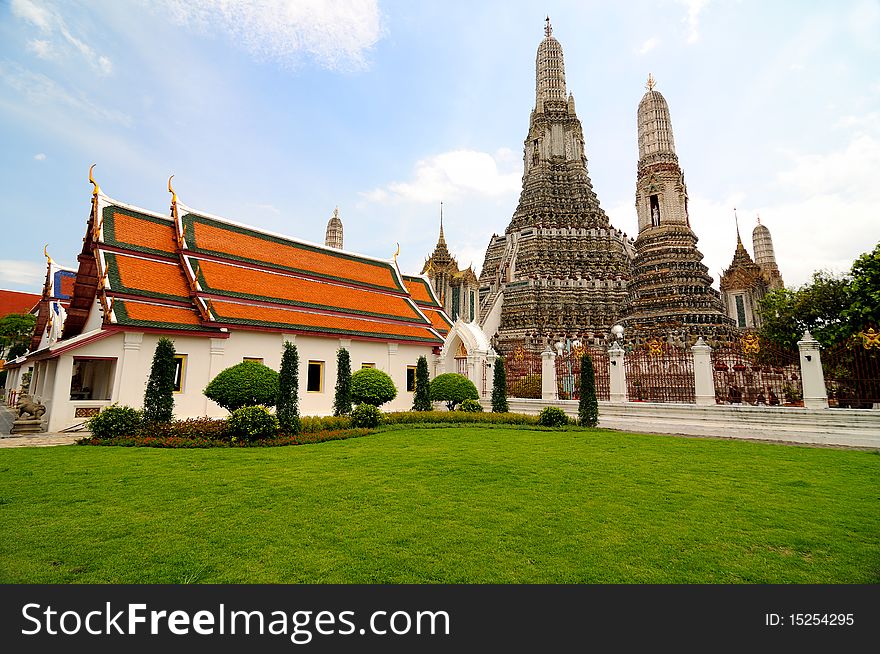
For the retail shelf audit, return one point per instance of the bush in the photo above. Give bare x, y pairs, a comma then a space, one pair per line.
499, 387
588, 407
526, 387
552, 416
311, 424
209, 429
288, 390
456, 417
422, 395
342, 400
452, 389
372, 386
471, 406
253, 423
246, 384
365, 415
159, 396
115, 421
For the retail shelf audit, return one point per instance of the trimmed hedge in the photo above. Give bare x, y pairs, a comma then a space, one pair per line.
372, 386
366, 415
453, 389
170, 441
253, 423
115, 421
246, 384
448, 417
552, 416
471, 406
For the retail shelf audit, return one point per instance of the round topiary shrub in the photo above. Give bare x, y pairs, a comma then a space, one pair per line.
253, 423
372, 386
115, 421
471, 406
452, 389
366, 415
247, 384
552, 416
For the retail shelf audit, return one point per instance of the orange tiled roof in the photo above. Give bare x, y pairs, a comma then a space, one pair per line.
139, 232
212, 236
17, 302
438, 319
141, 314
418, 289
155, 279
231, 313
235, 281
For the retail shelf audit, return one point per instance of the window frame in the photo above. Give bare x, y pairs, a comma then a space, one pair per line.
320, 365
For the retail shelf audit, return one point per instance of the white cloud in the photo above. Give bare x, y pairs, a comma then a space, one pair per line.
22, 272
40, 157
50, 22
848, 171
337, 34
42, 90
649, 45
451, 174
694, 8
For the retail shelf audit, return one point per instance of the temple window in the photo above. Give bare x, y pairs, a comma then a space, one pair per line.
315, 377
410, 379
179, 372
252, 359
367, 365
740, 312
655, 211
92, 379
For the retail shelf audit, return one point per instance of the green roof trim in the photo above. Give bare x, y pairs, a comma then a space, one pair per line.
424, 283
190, 219
108, 226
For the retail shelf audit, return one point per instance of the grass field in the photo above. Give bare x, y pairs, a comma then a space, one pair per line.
456, 505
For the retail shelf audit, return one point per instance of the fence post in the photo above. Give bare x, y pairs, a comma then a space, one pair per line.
815, 394
704, 379
616, 373
548, 375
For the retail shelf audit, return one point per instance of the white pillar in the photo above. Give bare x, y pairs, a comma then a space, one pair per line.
58, 411
815, 394
616, 373
127, 390
215, 367
704, 379
548, 375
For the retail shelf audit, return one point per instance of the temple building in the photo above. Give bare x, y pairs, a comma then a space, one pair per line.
224, 293
458, 289
745, 282
561, 268
671, 294
333, 238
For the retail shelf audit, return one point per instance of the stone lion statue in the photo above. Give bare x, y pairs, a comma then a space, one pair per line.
34, 410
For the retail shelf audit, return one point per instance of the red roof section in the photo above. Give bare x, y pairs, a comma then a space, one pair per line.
17, 302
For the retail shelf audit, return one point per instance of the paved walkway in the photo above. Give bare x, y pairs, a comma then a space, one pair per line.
7, 416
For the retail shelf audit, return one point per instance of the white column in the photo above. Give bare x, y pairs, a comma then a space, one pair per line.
704, 380
128, 387
215, 367
617, 373
815, 394
548, 375
492, 360
58, 411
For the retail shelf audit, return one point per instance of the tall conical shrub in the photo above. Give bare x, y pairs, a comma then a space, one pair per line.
287, 406
159, 396
342, 400
422, 395
588, 407
499, 388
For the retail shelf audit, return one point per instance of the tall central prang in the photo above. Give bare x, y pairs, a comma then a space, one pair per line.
560, 269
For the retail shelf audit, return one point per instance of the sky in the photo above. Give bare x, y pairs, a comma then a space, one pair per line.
273, 112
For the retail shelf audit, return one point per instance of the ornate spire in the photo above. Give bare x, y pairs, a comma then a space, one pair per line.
549, 69
97, 188
333, 236
442, 239
655, 126
548, 29
651, 82
739, 242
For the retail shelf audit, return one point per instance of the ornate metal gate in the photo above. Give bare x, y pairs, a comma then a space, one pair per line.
568, 373
754, 371
523, 368
852, 372
660, 372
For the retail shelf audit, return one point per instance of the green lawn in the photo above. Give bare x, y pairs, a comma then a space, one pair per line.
458, 505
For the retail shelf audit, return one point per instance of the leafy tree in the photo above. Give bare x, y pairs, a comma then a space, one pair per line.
588, 407
453, 389
159, 396
422, 396
288, 390
16, 330
863, 308
499, 388
246, 384
342, 401
372, 386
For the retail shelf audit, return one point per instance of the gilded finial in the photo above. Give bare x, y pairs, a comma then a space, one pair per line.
651, 82
97, 189
758, 216
171, 191
46, 254
396, 253
548, 29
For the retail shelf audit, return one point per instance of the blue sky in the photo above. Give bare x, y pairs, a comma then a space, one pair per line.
272, 113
